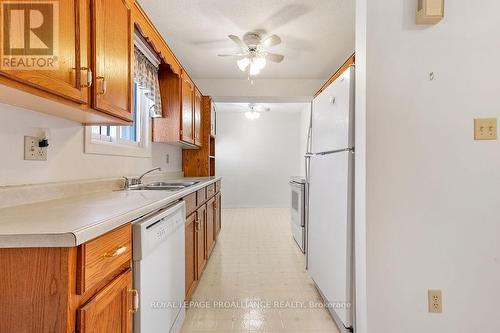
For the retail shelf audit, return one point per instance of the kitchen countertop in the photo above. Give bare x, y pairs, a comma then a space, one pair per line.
75, 220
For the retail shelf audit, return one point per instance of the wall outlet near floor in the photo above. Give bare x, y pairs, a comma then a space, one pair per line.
32, 149
435, 301
485, 129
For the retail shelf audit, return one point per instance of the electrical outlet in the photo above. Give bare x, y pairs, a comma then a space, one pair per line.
32, 150
435, 301
485, 129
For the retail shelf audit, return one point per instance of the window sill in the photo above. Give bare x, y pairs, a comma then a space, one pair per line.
98, 147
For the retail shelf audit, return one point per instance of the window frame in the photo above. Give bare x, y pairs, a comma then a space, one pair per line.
115, 145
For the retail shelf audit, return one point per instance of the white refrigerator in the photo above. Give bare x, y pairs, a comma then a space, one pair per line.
330, 176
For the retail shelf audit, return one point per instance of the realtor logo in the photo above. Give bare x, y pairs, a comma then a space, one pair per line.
29, 35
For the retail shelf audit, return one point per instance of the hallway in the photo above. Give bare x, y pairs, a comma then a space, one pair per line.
255, 280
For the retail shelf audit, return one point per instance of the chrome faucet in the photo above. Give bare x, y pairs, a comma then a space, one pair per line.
137, 181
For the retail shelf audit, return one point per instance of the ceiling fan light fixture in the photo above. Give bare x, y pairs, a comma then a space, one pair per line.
252, 115
256, 65
243, 63
260, 62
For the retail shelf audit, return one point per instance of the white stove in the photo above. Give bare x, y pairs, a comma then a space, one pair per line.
298, 211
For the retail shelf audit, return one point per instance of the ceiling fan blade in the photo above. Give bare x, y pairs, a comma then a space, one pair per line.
271, 41
275, 57
238, 41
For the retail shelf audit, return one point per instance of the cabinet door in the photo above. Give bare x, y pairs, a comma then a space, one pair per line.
54, 57
112, 57
217, 207
201, 240
187, 127
190, 254
213, 120
197, 118
109, 310
210, 226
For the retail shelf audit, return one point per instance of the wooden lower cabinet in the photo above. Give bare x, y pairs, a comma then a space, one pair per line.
201, 238
190, 243
217, 209
202, 230
38, 287
109, 310
210, 226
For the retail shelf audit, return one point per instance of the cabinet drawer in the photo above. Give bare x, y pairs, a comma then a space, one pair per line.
103, 258
190, 200
201, 196
210, 190
217, 186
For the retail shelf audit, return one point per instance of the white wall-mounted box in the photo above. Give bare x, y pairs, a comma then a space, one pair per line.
430, 11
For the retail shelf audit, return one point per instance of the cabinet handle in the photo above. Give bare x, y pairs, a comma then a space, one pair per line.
89, 77
135, 300
103, 85
115, 253
197, 222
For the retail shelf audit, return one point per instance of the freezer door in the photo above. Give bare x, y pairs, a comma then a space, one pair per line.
333, 115
330, 230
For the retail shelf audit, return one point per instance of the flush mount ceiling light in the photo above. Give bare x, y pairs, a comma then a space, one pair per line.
254, 57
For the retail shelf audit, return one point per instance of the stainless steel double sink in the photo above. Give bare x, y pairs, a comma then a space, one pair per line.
164, 186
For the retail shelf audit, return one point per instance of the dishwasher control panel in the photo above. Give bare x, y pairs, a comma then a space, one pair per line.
161, 230
156, 230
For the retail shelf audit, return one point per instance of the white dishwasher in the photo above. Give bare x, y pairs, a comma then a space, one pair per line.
159, 270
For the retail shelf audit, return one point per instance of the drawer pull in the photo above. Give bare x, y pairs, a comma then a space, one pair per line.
116, 252
135, 300
89, 77
103, 85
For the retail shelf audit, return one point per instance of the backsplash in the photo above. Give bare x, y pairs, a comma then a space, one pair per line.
66, 161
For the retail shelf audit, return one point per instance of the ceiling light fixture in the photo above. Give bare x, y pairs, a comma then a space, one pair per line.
254, 53
252, 115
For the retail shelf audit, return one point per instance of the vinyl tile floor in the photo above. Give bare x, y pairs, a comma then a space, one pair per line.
255, 280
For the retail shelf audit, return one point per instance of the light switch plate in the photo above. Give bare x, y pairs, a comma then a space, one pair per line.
32, 152
485, 129
435, 297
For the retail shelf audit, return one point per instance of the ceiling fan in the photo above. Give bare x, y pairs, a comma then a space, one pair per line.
254, 55
255, 111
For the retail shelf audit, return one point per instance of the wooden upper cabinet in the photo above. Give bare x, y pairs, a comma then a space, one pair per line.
61, 48
109, 311
187, 128
112, 57
197, 118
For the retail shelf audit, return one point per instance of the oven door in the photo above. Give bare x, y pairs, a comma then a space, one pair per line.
297, 214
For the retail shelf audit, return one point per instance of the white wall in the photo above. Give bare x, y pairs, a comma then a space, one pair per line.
66, 160
432, 192
257, 158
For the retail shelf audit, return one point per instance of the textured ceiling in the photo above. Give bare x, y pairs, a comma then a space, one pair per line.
317, 35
